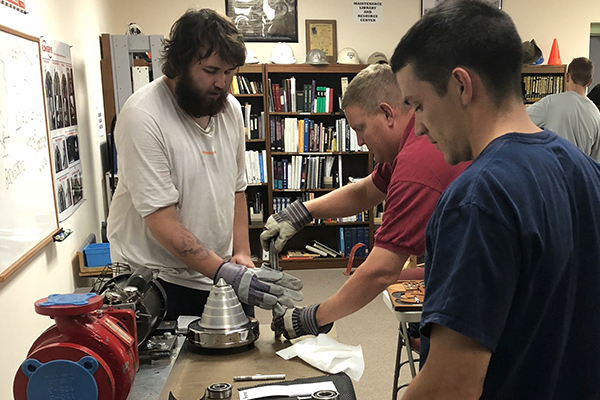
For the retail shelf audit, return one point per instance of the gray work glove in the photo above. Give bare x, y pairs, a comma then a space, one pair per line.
258, 287
298, 322
284, 224
290, 284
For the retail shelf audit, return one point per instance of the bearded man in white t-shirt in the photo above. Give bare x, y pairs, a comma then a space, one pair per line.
180, 207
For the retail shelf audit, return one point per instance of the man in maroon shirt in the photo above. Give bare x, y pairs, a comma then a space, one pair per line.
411, 174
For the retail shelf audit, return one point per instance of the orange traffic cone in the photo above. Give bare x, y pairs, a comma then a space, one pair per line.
554, 58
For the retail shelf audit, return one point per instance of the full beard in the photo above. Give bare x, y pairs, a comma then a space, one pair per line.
195, 102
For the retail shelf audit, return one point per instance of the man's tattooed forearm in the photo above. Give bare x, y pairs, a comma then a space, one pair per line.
188, 245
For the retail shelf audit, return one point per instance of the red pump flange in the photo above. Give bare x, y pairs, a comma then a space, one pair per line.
59, 364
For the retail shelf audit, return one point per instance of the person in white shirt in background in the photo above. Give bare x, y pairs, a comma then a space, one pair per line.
180, 207
571, 114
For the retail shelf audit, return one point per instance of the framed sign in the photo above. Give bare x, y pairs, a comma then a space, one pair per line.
426, 5
321, 34
265, 21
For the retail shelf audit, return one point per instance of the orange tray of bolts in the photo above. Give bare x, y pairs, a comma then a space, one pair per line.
407, 295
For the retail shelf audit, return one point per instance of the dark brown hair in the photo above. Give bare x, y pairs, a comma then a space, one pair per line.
581, 70
464, 33
197, 35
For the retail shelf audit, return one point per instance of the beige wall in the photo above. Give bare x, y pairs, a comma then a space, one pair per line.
542, 20
79, 22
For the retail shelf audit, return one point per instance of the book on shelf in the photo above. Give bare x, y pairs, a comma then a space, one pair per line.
305, 135
253, 123
344, 85
315, 250
293, 94
299, 255
351, 235
331, 252
313, 100
234, 87
256, 166
307, 97
300, 101
242, 85
255, 209
270, 95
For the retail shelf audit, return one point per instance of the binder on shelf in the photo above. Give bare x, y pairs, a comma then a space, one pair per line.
264, 166
313, 94
307, 98
293, 94
299, 101
260, 165
306, 134
285, 173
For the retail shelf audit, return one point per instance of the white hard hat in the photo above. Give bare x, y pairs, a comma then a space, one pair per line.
316, 57
282, 54
377, 58
348, 56
251, 56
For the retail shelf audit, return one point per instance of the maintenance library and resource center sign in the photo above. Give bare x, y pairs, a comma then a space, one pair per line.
368, 12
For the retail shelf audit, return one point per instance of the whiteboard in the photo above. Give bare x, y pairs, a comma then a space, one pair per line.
28, 213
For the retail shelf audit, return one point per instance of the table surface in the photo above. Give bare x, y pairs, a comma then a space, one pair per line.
192, 370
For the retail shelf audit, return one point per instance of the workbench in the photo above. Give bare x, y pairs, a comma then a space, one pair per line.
190, 371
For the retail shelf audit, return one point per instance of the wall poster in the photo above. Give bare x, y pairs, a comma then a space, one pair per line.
62, 119
18, 5
265, 21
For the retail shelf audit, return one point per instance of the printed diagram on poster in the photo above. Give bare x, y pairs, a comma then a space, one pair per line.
368, 12
62, 119
264, 21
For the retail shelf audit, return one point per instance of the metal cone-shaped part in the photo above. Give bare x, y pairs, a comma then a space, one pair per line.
224, 323
223, 309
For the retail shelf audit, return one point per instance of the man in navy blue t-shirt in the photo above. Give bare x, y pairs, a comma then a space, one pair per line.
513, 248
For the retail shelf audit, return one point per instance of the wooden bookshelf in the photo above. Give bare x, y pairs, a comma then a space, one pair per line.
542, 80
356, 164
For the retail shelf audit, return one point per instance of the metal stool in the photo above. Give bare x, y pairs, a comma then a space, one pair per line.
404, 318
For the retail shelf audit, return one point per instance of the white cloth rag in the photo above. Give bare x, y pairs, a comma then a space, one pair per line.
327, 354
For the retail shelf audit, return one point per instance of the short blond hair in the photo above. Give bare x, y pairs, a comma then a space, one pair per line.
372, 86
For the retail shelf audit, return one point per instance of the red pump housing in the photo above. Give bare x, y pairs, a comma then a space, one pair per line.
81, 331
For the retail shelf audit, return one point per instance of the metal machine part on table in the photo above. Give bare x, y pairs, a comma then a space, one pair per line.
88, 354
321, 395
157, 347
326, 395
218, 391
141, 293
274, 257
223, 323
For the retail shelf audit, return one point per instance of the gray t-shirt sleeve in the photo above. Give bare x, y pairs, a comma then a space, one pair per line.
595, 145
241, 182
538, 112
144, 162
